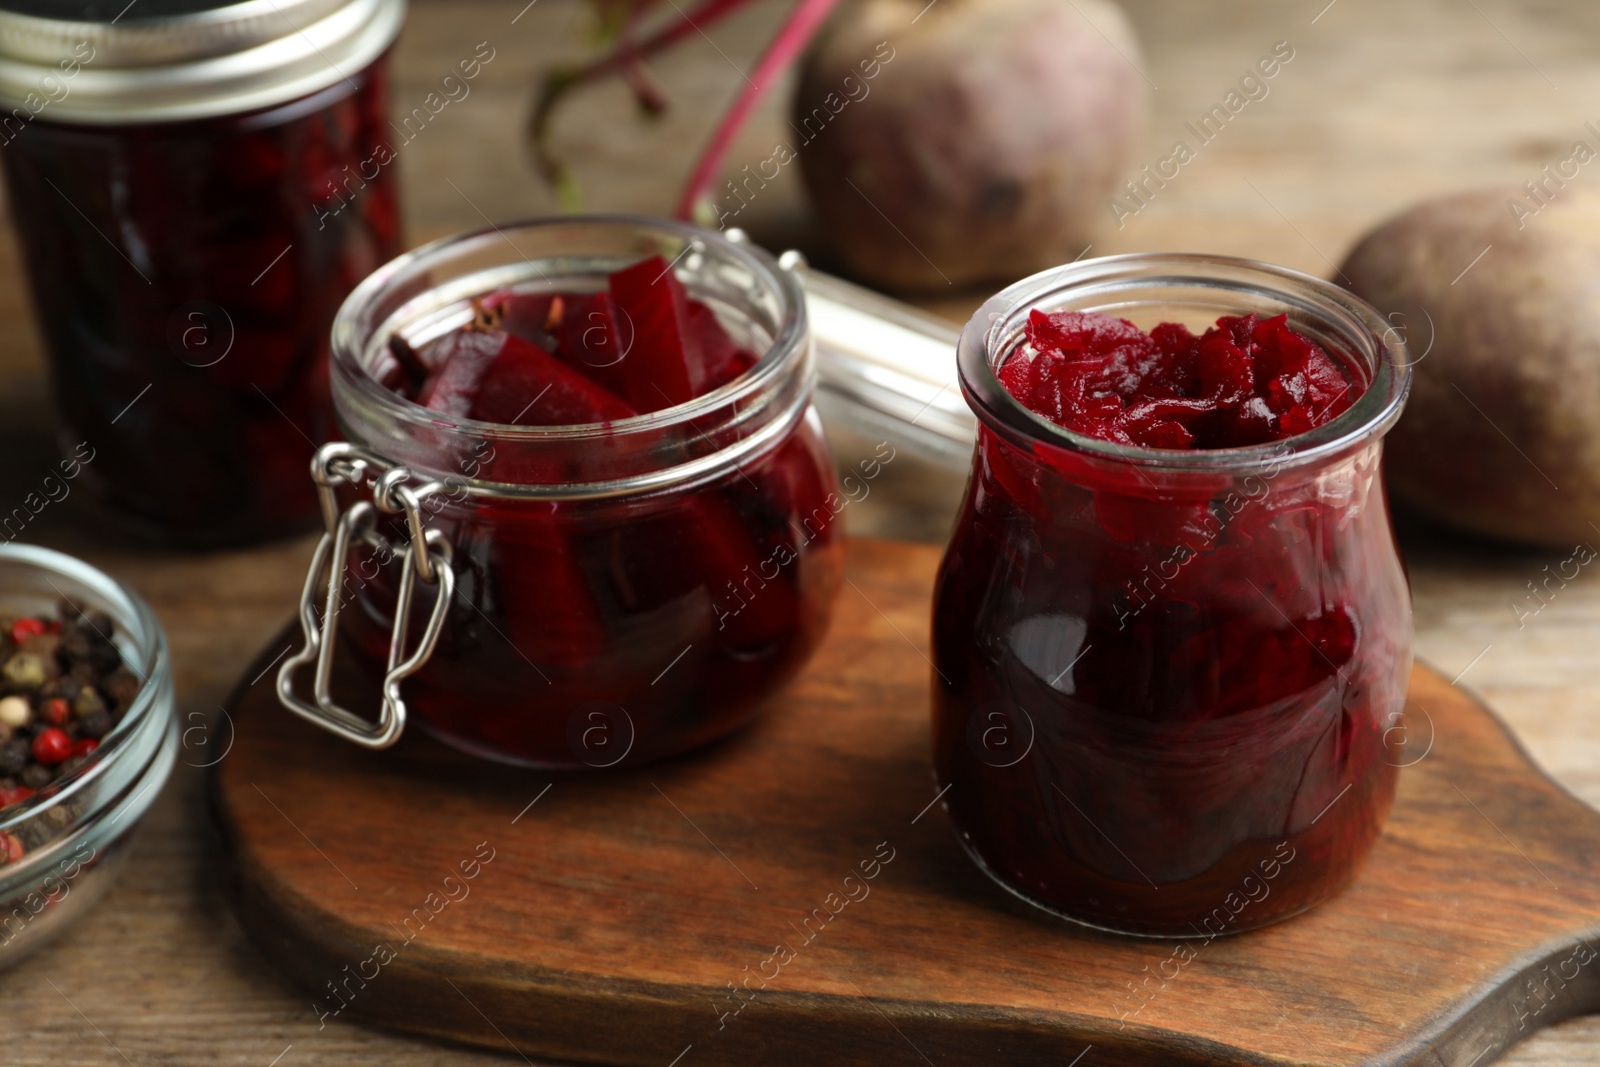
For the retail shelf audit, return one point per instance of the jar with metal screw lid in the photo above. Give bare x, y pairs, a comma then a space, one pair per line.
196, 187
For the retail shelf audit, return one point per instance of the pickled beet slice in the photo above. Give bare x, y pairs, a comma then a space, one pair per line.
721, 359
541, 569
643, 340
712, 549
534, 317
762, 594
1245, 381
459, 360
526, 386
653, 310
501, 377
592, 341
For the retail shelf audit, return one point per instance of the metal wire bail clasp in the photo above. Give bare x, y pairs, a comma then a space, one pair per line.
426, 557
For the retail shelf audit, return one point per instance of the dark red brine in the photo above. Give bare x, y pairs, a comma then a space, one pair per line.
1168, 697
184, 274
613, 630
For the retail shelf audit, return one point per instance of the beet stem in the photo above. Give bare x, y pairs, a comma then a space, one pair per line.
626, 59
790, 40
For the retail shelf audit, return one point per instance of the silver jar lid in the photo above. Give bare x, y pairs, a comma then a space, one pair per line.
105, 62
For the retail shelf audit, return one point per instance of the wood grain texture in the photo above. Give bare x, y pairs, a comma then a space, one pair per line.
616, 908
1384, 103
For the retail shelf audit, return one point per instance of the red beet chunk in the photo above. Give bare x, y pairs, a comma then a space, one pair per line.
459, 360
534, 317
526, 386
1084, 334
720, 358
593, 343
1245, 381
726, 553
652, 321
537, 564
642, 345
653, 310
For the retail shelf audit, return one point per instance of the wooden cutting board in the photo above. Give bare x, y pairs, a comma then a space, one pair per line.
607, 918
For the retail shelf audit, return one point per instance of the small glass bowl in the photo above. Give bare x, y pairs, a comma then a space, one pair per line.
77, 830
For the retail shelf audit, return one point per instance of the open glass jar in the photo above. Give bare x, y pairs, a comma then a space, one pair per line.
196, 185
592, 595
1166, 680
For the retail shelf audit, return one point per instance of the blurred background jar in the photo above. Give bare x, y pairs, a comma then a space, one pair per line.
196, 187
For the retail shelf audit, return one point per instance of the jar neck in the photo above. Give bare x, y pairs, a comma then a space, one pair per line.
1161, 287
1273, 476
428, 292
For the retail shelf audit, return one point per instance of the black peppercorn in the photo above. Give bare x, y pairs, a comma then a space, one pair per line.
122, 687
14, 756
95, 725
74, 647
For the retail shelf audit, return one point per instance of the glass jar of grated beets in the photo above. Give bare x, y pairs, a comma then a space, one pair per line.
1168, 664
197, 185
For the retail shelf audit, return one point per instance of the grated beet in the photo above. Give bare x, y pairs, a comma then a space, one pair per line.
1153, 697
1245, 381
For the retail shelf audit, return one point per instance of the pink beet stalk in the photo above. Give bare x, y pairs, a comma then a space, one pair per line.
791, 39
686, 24
626, 58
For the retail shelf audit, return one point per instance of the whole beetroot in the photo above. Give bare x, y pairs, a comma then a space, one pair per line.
1499, 300
987, 143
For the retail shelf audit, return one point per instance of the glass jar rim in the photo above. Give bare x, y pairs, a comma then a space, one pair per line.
993, 333
787, 352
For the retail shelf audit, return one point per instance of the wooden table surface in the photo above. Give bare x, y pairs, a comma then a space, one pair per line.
1383, 103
